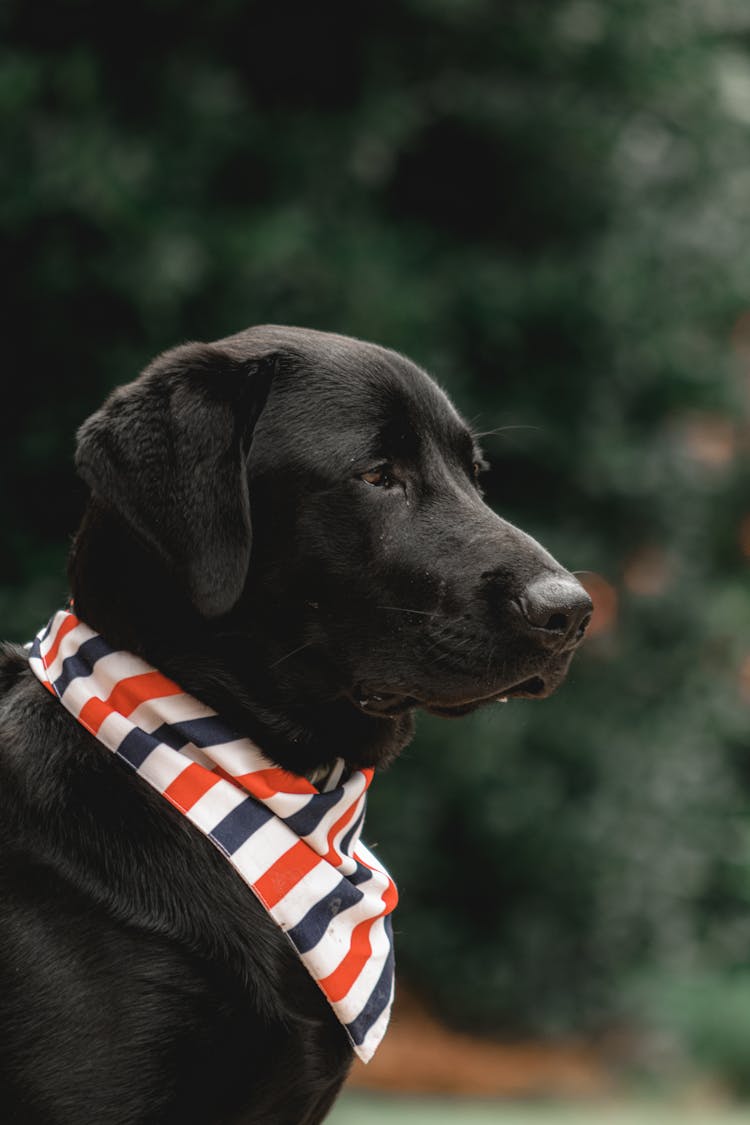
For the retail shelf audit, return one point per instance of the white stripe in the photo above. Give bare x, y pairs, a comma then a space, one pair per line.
198, 756
57, 622
356, 998
325, 957
335, 942
334, 775
114, 730
216, 803
369, 906
69, 645
267, 844
77, 695
169, 709
353, 790
238, 757
369, 859
46, 644
288, 804
241, 758
311, 888
370, 1043
109, 670
346, 863
106, 675
162, 766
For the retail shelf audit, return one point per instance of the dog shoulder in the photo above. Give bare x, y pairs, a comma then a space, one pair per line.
69, 807
13, 664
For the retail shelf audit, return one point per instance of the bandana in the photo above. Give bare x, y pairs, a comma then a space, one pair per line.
296, 847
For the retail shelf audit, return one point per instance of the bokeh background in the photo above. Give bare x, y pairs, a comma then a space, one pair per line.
546, 204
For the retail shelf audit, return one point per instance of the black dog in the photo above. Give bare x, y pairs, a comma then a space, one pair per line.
289, 525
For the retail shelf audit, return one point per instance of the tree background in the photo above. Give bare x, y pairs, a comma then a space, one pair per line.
547, 205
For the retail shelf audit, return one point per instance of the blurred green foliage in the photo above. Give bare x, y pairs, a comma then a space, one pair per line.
707, 1014
548, 206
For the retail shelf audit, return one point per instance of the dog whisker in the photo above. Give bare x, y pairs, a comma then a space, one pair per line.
447, 653
405, 609
441, 635
505, 429
307, 644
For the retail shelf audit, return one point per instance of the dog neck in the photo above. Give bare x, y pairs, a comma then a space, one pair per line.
124, 591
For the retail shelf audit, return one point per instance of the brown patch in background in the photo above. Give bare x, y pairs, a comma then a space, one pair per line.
421, 1056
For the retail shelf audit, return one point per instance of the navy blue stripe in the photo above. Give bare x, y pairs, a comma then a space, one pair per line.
361, 875
308, 932
310, 815
235, 828
46, 632
238, 825
347, 839
209, 730
167, 734
379, 997
136, 747
35, 649
81, 662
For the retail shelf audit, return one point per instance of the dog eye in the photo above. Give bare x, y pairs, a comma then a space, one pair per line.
380, 477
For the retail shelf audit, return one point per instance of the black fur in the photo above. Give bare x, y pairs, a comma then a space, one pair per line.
287, 523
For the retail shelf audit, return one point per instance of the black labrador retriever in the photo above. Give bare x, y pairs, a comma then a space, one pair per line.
288, 524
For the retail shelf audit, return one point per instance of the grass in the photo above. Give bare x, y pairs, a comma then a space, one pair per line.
356, 1109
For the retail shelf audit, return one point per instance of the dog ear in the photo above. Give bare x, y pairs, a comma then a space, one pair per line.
168, 452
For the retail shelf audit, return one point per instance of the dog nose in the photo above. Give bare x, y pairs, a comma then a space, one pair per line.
558, 605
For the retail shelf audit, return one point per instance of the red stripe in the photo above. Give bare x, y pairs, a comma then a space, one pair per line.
333, 856
390, 897
125, 697
129, 693
337, 984
272, 782
189, 786
390, 894
68, 624
93, 713
285, 873
222, 773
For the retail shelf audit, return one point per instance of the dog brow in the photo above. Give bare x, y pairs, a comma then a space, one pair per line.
465, 444
398, 436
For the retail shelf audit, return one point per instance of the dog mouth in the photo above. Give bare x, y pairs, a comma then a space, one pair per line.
532, 688
390, 704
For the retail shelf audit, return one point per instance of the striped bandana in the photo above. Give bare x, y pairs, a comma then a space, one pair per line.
295, 846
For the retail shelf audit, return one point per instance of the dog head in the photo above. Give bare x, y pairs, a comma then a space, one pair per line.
309, 506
